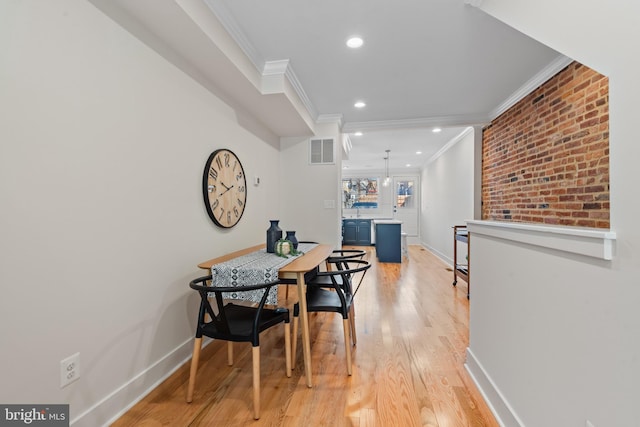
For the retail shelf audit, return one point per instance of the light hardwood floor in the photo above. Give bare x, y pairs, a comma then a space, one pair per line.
412, 331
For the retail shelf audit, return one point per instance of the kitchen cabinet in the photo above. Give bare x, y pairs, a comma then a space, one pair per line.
356, 232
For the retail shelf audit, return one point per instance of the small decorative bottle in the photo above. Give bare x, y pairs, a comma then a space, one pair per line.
291, 236
274, 233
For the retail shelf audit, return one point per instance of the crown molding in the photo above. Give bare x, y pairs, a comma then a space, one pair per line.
230, 24
292, 77
265, 68
449, 144
535, 82
471, 120
330, 118
274, 68
271, 69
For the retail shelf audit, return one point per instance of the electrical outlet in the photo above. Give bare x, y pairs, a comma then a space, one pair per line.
69, 369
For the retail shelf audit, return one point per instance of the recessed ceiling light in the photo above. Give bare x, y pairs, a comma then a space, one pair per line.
360, 104
358, 134
418, 152
408, 165
354, 42
436, 130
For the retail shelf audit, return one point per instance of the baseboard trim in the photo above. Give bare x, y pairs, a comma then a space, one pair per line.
504, 414
437, 253
124, 398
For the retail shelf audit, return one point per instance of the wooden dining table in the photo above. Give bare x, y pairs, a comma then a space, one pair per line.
296, 269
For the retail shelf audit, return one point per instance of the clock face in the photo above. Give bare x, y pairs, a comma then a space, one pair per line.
225, 188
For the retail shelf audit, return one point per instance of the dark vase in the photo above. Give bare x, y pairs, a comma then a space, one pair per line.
291, 236
274, 233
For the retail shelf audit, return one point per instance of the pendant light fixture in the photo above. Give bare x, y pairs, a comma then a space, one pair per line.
387, 180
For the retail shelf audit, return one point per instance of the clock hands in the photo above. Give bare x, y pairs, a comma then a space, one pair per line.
227, 188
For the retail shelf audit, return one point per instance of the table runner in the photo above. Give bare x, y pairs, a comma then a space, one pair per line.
252, 269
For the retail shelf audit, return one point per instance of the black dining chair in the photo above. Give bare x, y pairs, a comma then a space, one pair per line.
333, 291
234, 322
337, 255
337, 262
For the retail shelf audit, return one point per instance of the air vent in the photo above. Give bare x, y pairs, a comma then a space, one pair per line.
321, 151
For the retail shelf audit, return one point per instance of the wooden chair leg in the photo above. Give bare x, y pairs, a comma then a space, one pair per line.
256, 382
294, 342
195, 358
347, 343
287, 348
352, 322
230, 353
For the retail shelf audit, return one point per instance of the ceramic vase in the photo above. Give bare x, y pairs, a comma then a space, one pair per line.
274, 233
291, 236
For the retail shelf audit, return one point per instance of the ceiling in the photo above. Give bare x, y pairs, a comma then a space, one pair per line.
423, 64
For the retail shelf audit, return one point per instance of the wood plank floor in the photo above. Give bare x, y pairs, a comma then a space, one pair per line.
412, 331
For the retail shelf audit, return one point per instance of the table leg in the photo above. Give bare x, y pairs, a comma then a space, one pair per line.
306, 340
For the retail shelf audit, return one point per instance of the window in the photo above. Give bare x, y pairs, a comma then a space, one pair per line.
404, 194
360, 193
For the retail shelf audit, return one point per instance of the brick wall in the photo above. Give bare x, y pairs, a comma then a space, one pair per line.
546, 159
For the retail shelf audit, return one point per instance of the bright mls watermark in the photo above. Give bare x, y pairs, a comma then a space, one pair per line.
34, 415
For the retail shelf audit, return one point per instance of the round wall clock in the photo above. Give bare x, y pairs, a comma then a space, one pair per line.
224, 187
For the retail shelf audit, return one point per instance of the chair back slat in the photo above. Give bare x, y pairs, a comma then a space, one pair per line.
219, 319
347, 269
341, 257
361, 271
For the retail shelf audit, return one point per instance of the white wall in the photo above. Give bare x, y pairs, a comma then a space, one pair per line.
447, 195
103, 145
306, 187
556, 334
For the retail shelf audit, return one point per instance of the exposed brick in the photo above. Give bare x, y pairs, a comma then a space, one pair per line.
546, 159
588, 206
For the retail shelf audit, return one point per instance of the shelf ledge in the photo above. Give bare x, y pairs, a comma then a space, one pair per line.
590, 242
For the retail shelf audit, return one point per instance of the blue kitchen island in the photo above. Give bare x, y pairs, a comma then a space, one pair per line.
388, 240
